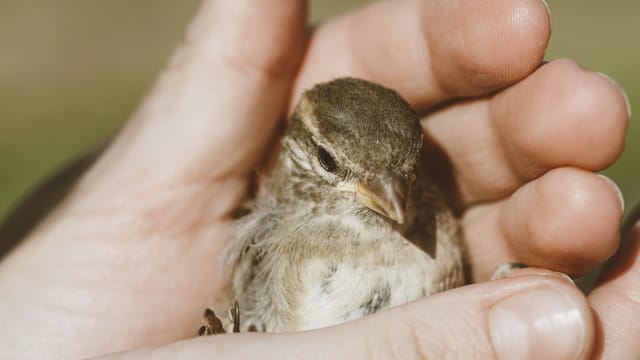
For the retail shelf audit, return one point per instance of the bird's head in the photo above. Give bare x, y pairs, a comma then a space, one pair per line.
354, 137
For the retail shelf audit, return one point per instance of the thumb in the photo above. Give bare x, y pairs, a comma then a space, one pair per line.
531, 315
198, 123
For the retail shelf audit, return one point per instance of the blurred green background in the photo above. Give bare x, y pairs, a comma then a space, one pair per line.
72, 71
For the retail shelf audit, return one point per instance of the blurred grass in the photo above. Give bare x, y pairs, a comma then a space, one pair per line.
72, 71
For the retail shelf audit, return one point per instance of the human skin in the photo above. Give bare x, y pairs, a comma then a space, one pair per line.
128, 259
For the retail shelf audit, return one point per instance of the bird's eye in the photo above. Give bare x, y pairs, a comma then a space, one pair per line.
326, 160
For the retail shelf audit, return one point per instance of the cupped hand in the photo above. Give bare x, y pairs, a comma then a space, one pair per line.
128, 258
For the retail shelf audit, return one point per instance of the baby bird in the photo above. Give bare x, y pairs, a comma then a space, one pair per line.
347, 223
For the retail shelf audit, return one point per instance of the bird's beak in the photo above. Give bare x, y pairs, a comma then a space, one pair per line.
386, 194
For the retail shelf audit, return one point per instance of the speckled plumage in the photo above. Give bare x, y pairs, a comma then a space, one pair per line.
310, 254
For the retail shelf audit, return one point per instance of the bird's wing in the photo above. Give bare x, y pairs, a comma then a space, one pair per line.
248, 231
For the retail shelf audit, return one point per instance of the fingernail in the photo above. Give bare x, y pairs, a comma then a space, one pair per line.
542, 323
615, 188
511, 270
624, 93
505, 270
546, 6
563, 276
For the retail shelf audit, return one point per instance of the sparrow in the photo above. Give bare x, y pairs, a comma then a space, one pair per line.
346, 224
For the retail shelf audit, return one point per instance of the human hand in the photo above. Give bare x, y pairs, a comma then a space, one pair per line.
127, 259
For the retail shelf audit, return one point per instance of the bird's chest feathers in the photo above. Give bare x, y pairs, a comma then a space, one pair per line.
316, 271
371, 268
334, 293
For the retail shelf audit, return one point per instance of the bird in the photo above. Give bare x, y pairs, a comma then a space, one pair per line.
346, 224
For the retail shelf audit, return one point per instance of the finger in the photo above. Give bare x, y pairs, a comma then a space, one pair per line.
567, 220
561, 115
528, 317
230, 77
616, 301
431, 51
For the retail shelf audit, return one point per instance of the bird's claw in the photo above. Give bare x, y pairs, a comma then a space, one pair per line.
234, 314
212, 325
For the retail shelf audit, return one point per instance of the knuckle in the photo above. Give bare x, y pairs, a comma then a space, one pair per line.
491, 47
567, 217
418, 338
595, 111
